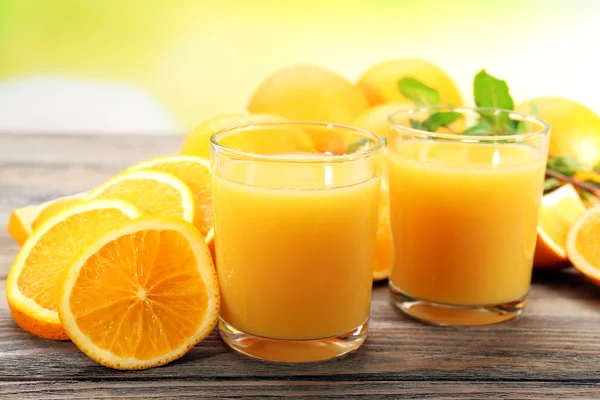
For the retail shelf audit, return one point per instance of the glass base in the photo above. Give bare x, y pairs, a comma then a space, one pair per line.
452, 315
292, 350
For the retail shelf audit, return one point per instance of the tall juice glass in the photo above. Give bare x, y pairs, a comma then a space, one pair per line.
295, 208
464, 211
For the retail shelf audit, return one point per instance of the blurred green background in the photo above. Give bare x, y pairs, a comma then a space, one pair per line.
164, 66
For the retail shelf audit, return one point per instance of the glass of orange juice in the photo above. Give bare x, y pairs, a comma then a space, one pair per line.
464, 202
296, 209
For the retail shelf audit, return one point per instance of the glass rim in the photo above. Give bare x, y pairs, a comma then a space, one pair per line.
317, 158
544, 131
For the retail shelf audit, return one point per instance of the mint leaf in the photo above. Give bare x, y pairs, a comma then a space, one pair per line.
438, 119
566, 165
551, 184
416, 124
418, 93
483, 128
524, 126
534, 110
354, 147
585, 195
492, 92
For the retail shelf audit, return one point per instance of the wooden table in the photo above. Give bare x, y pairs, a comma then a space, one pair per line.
552, 351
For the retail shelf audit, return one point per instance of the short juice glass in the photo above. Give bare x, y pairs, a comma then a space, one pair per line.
296, 207
464, 212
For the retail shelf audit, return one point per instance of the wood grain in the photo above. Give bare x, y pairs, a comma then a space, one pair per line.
552, 351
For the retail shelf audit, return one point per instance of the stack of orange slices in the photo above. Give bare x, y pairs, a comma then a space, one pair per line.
124, 271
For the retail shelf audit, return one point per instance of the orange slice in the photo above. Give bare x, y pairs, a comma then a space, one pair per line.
194, 172
141, 295
384, 246
23, 220
582, 244
32, 286
153, 193
558, 212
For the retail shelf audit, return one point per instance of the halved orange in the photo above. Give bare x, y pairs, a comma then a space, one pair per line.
558, 212
384, 245
32, 286
23, 220
155, 193
194, 172
141, 295
583, 242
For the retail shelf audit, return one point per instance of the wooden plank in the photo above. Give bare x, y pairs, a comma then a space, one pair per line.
555, 343
293, 389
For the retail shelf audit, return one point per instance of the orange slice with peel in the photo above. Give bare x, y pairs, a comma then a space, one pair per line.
583, 242
558, 212
194, 172
23, 220
155, 193
141, 295
32, 286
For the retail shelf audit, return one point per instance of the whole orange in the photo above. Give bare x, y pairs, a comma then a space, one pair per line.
309, 93
380, 82
575, 129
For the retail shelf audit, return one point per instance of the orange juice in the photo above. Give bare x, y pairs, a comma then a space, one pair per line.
295, 263
464, 218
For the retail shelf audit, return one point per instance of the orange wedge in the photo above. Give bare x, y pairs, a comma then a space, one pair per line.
23, 220
583, 242
558, 212
194, 172
141, 295
155, 193
384, 246
32, 286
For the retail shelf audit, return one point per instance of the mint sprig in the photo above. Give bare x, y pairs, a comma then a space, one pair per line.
489, 91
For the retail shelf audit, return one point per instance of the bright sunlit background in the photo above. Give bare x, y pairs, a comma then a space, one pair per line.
159, 66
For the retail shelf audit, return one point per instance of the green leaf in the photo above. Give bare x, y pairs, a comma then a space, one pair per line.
418, 93
492, 92
416, 124
354, 147
524, 126
438, 119
597, 167
534, 110
585, 195
483, 128
551, 184
566, 165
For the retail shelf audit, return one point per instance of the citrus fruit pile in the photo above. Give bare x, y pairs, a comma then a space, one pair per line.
125, 270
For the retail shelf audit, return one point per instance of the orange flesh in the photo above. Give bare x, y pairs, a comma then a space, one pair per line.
42, 274
150, 196
149, 284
